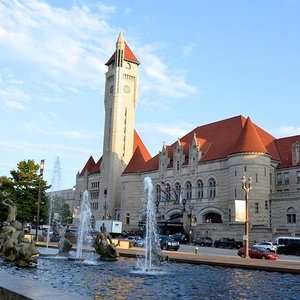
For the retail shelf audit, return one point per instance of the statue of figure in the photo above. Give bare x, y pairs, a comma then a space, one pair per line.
104, 245
64, 245
13, 245
12, 210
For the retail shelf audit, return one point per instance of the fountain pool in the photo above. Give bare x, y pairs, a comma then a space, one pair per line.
117, 280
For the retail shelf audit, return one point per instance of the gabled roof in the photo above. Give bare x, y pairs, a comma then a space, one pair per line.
88, 166
284, 146
249, 140
129, 56
140, 156
219, 139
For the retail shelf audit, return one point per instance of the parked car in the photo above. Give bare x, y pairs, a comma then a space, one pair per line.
228, 243
180, 237
267, 245
167, 243
203, 241
137, 240
27, 228
258, 252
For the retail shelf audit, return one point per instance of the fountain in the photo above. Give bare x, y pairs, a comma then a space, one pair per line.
153, 256
84, 239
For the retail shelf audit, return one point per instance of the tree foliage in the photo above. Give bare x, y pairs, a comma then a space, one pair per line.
23, 188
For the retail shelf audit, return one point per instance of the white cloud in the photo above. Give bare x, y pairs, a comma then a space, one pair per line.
161, 78
166, 130
70, 45
188, 50
73, 134
285, 131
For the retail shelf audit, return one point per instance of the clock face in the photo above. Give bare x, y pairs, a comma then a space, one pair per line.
126, 89
111, 89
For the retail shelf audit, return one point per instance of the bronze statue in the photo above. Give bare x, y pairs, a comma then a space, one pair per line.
104, 245
64, 245
13, 244
12, 210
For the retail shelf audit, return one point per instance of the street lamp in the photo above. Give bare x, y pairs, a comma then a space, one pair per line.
105, 206
183, 203
191, 207
247, 187
42, 165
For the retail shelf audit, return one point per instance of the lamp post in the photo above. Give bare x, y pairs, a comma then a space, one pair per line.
191, 207
183, 203
42, 164
105, 207
247, 187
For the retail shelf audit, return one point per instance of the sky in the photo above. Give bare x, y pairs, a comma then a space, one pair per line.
201, 62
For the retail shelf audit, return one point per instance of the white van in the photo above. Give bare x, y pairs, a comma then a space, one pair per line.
288, 245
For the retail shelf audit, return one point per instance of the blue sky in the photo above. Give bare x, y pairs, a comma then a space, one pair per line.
201, 62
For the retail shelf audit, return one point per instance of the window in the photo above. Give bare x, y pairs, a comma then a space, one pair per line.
298, 176
286, 178
200, 189
211, 188
271, 179
95, 185
127, 219
168, 192
229, 215
256, 207
188, 187
256, 177
158, 196
291, 215
235, 194
177, 165
177, 192
266, 204
279, 178
94, 194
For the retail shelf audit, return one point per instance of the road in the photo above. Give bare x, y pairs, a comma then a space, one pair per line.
224, 252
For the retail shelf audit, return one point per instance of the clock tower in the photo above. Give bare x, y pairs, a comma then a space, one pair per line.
120, 102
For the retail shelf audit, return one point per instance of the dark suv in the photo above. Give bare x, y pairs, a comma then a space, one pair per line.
203, 241
180, 237
228, 243
167, 243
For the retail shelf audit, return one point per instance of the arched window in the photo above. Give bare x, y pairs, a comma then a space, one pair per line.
291, 215
188, 187
158, 196
177, 192
212, 188
168, 192
200, 189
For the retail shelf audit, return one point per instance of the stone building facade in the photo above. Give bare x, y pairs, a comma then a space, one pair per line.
197, 179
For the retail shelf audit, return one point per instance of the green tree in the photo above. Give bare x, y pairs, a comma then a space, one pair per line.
6, 189
25, 182
60, 207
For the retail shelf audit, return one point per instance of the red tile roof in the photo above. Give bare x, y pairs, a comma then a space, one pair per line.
129, 56
140, 156
88, 166
249, 140
284, 146
218, 140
